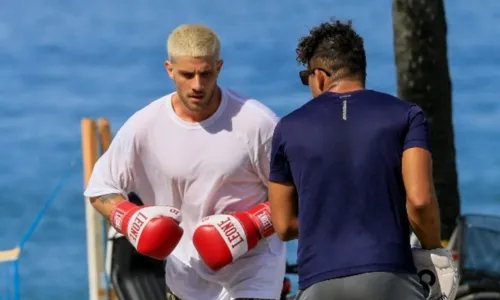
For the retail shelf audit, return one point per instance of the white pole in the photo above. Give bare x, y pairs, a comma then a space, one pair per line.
92, 251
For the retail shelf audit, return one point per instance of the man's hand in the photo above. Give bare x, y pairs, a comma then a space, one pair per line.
437, 272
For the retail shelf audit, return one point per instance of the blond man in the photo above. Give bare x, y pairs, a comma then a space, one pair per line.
199, 159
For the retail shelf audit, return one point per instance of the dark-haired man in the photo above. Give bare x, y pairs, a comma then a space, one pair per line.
351, 171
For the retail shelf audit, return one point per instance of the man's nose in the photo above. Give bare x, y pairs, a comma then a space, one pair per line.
197, 84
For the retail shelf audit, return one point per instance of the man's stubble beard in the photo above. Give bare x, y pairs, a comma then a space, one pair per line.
197, 108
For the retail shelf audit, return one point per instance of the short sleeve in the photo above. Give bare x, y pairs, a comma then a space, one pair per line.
279, 170
418, 130
263, 161
113, 172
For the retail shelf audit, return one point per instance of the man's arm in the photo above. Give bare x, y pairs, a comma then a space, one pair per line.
281, 190
421, 205
112, 176
283, 200
104, 204
152, 230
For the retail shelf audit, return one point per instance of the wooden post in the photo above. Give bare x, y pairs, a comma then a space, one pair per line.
104, 141
94, 233
104, 134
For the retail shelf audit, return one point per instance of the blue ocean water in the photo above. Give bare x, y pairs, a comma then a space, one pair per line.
64, 60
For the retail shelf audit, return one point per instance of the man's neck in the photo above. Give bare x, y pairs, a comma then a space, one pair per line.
345, 86
188, 115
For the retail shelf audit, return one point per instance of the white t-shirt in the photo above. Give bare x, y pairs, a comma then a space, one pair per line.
216, 166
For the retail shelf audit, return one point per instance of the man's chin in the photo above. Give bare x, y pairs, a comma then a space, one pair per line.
197, 100
196, 106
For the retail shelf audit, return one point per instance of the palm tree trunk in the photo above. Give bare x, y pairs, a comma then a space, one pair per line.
423, 78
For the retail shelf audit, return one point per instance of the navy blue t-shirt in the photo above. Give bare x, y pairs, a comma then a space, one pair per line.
343, 153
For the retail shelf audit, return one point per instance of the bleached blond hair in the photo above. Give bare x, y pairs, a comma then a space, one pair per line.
193, 40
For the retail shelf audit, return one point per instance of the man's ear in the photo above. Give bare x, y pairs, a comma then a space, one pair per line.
321, 78
170, 69
220, 62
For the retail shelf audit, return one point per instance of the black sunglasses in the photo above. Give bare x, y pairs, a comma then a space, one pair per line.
304, 74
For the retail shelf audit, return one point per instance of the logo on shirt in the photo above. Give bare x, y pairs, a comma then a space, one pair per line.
344, 110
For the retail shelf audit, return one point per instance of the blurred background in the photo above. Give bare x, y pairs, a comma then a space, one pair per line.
61, 61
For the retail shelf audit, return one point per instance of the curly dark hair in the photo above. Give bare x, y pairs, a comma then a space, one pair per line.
336, 47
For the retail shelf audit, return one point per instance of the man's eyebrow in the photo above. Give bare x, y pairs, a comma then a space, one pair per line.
194, 72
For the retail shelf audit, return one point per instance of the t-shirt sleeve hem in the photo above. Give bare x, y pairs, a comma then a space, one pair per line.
100, 192
417, 144
279, 178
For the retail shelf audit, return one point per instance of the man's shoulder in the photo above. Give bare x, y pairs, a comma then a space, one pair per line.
299, 114
248, 108
394, 108
143, 117
390, 99
153, 107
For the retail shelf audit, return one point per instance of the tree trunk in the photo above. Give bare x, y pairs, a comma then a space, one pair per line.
423, 78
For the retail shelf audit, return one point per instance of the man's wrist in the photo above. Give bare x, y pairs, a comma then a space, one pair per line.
118, 213
432, 246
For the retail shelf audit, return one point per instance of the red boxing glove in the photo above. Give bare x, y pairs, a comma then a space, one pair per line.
153, 230
221, 239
